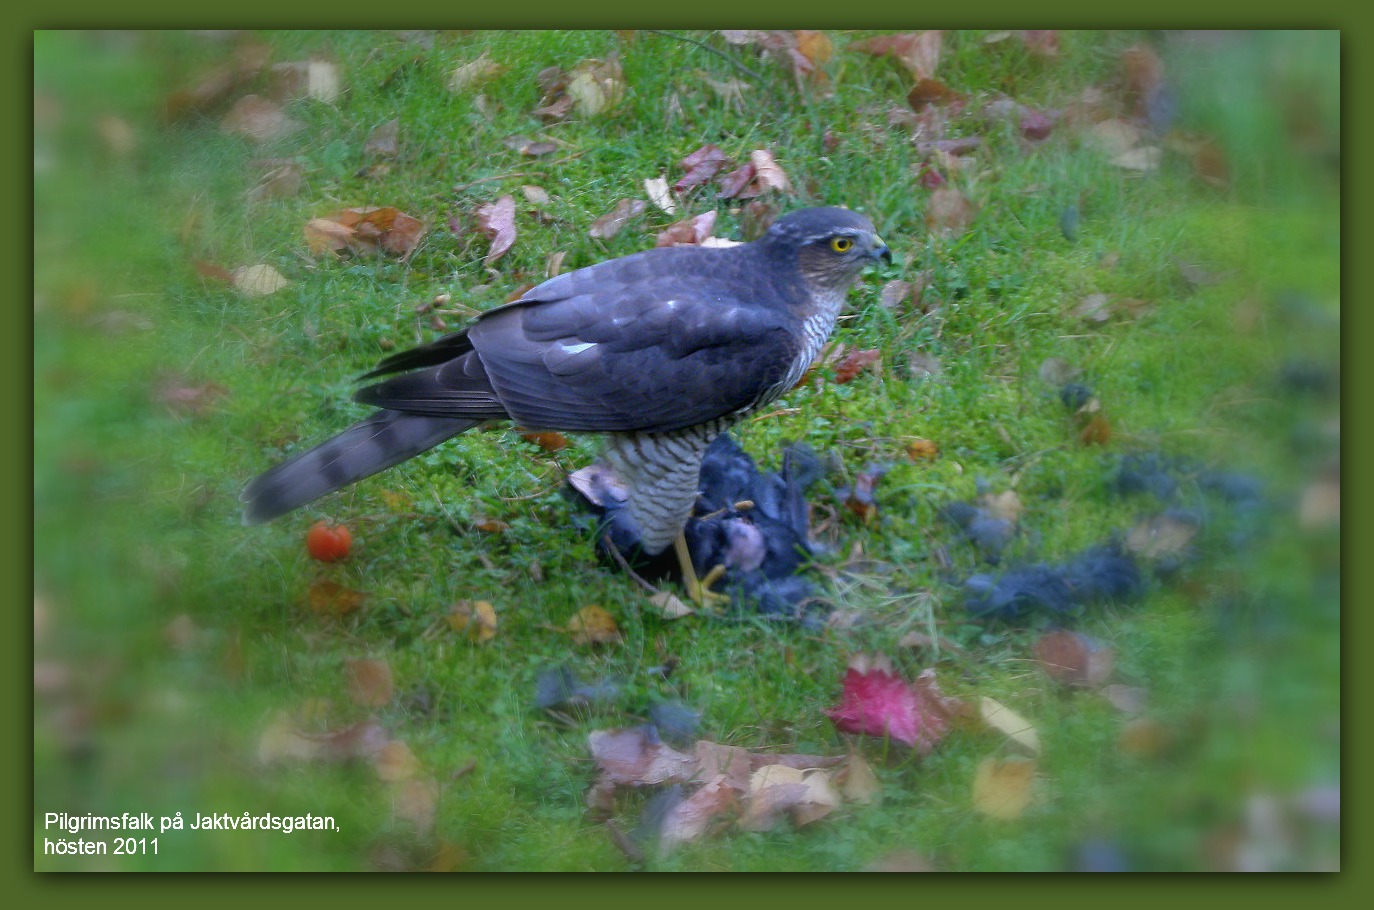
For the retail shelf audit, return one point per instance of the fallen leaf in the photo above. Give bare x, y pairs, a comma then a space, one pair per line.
119, 137
528, 147
1042, 42
1096, 432
283, 740
593, 625
919, 52
927, 92
1002, 789
365, 230
1163, 535
596, 86
416, 801
257, 280
695, 816
476, 618
186, 399
1114, 137
329, 598
774, 789
317, 79
670, 606
701, 165
922, 450
630, 758
611, 223
657, 190
858, 783
1093, 308
1006, 505
450, 857
259, 120
395, 762
855, 362
1010, 724
738, 184
949, 212
878, 702
384, 140
694, 230
549, 441
1074, 659
369, 681
536, 195
282, 179
768, 174
1144, 737
496, 220
473, 73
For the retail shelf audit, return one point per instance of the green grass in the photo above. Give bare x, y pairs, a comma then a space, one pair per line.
136, 519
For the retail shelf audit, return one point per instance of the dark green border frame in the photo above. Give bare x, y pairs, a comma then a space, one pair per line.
1061, 890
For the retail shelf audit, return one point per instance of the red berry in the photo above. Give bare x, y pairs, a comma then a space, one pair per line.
328, 543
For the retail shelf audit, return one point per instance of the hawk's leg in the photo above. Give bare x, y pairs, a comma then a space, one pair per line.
698, 589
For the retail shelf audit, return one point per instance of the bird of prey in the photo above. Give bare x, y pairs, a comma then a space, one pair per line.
659, 350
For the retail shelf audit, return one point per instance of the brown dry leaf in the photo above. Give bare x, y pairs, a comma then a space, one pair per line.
548, 441
490, 525
318, 79
329, 598
1010, 724
215, 88
610, 224
773, 789
670, 606
474, 73
257, 280
1144, 75
1157, 536
1074, 659
536, 195
593, 625
1144, 737
629, 758
738, 184
395, 762
1042, 42
1093, 308
857, 781
930, 92
949, 212
1096, 432
922, 450
856, 362
416, 801
692, 818
530, 148
1115, 137
283, 178
694, 230
259, 120
475, 618
385, 140
657, 190
365, 230
895, 293
369, 681
496, 220
768, 174
919, 52
1002, 789
701, 165
1006, 506
596, 86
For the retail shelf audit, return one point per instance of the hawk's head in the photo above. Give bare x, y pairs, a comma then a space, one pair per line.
830, 246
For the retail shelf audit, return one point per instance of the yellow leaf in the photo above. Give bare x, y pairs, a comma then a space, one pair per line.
670, 605
475, 617
592, 625
258, 280
395, 762
369, 681
1002, 789
1009, 723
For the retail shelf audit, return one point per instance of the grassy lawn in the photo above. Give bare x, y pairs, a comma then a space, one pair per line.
175, 649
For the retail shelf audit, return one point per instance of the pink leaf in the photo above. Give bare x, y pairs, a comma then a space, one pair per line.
878, 702
497, 221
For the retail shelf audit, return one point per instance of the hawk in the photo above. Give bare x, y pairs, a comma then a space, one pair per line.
659, 350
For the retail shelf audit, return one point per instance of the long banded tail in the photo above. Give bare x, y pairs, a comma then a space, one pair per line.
383, 440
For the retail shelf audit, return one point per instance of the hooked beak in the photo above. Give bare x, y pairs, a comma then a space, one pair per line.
878, 250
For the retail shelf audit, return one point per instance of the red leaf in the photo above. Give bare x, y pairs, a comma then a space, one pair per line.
854, 362
878, 702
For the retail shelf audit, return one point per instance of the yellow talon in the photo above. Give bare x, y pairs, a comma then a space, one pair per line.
698, 590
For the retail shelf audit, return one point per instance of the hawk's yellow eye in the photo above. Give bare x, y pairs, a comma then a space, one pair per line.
841, 244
